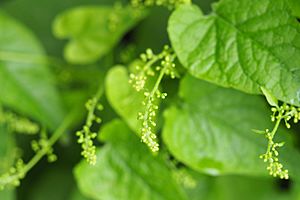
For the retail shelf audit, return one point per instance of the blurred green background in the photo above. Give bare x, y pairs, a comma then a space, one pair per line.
56, 181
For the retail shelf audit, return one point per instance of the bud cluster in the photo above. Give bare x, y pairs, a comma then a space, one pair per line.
18, 124
13, 176
284, 112
41, 147
43, 144
274, 167
86, 136
152, 65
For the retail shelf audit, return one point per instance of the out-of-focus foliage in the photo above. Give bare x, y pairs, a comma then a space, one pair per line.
226, 146
122, 96
88, 41
55, 55
295, 7
7, 151
126, 163
27, 85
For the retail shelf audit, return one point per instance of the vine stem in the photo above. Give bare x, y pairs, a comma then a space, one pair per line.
93, 107
148, 136
40, 154
273, 132
160, 77
157, 83
91, 111
151, 62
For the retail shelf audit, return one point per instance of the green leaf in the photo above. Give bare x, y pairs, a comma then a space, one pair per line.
55, 183
7, 194
243, 44
295, 7
76, 195
38, 16
248, 188
270, 98
93, 30
126, 170
211, 131
199, 186
125, 100
26, 83
7, 149
7, 156
245, 187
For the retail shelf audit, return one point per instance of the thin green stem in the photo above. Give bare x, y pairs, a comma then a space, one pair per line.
41, 153
155, 88
93, 107
276, 127
149, 64
152, 61
273, 132
91, 111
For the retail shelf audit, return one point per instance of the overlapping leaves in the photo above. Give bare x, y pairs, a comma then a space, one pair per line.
211, 131
122, 97
128, 166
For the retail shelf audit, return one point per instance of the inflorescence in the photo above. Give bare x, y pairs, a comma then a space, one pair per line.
284, 112
13, 176
43, 144
86, 136
151, 67
168, 3
18, 124
42, 147
16, 173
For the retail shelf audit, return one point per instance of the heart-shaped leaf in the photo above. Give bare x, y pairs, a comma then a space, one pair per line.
93, 30
243, 44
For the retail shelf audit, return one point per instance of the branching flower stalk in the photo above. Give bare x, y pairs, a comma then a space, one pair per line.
86, 136
139, 82
19, 171
43, 143
280, 113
